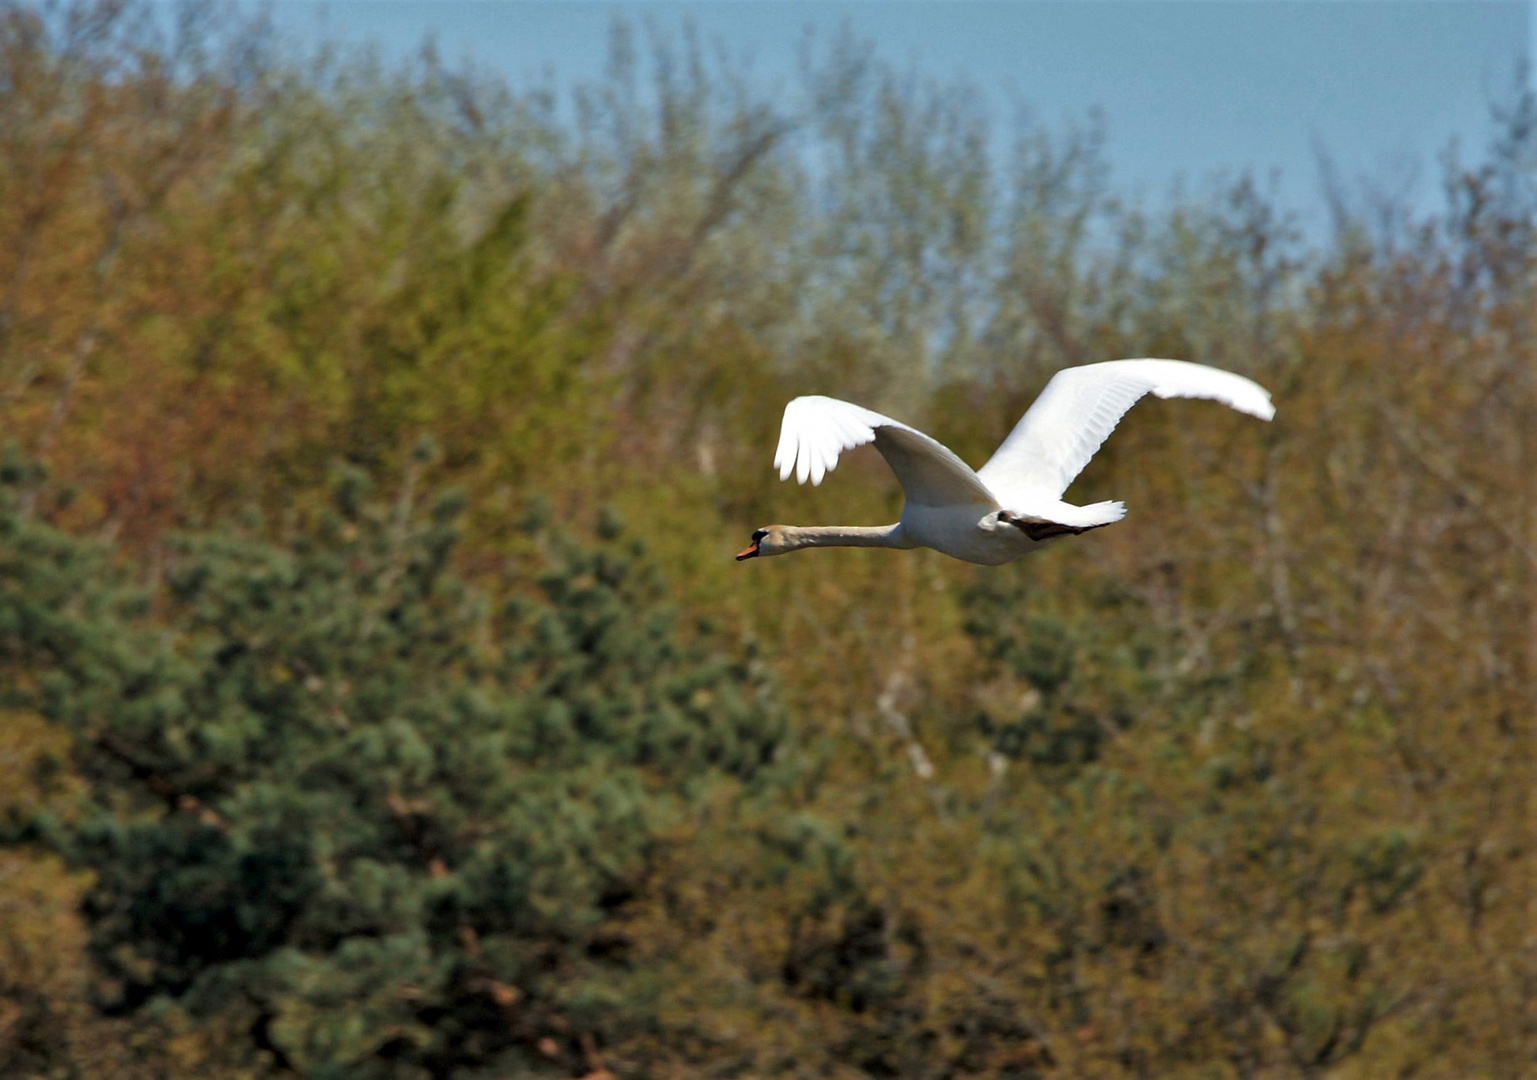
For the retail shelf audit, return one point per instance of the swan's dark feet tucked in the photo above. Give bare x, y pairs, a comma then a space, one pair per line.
1043, 530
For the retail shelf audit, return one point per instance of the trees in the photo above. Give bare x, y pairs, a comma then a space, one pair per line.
352, 787
338, 800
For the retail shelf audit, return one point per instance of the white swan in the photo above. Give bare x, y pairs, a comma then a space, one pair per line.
1014, 502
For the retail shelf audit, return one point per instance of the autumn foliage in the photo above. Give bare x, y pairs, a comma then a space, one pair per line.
378, 697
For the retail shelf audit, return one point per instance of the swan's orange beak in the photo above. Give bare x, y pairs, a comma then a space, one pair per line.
748, 552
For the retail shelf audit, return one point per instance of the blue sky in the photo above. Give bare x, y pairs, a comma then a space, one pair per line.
1188, 87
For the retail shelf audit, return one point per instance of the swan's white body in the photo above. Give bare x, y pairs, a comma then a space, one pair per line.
1013, 503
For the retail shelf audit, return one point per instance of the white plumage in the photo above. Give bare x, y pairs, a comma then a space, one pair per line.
1081, 406
815, 430
1014, 502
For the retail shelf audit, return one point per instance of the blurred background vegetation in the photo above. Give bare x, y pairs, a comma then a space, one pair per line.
378, 697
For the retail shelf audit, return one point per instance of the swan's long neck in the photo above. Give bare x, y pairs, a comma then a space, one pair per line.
881, 536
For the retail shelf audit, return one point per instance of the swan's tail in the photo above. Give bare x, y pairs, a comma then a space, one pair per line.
1063, 519
1086, 517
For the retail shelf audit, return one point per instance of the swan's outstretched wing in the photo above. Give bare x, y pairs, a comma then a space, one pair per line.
816, 430
1079, 409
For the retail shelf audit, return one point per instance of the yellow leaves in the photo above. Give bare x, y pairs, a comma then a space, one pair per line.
35, 771
47, 983
42, 938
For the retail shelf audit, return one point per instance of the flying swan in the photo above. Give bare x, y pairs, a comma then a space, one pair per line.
1013, 503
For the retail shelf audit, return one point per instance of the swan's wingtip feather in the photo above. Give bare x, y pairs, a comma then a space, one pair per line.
1254, 400
1233, 390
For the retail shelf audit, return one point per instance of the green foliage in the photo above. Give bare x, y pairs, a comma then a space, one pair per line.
1059, 688
1237, 788
335, 791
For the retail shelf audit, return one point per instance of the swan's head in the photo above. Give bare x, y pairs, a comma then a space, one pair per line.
769, 540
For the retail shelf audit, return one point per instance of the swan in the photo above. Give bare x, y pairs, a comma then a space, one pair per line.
1012, 504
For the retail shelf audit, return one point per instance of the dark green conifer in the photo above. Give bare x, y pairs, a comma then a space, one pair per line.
381, 820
